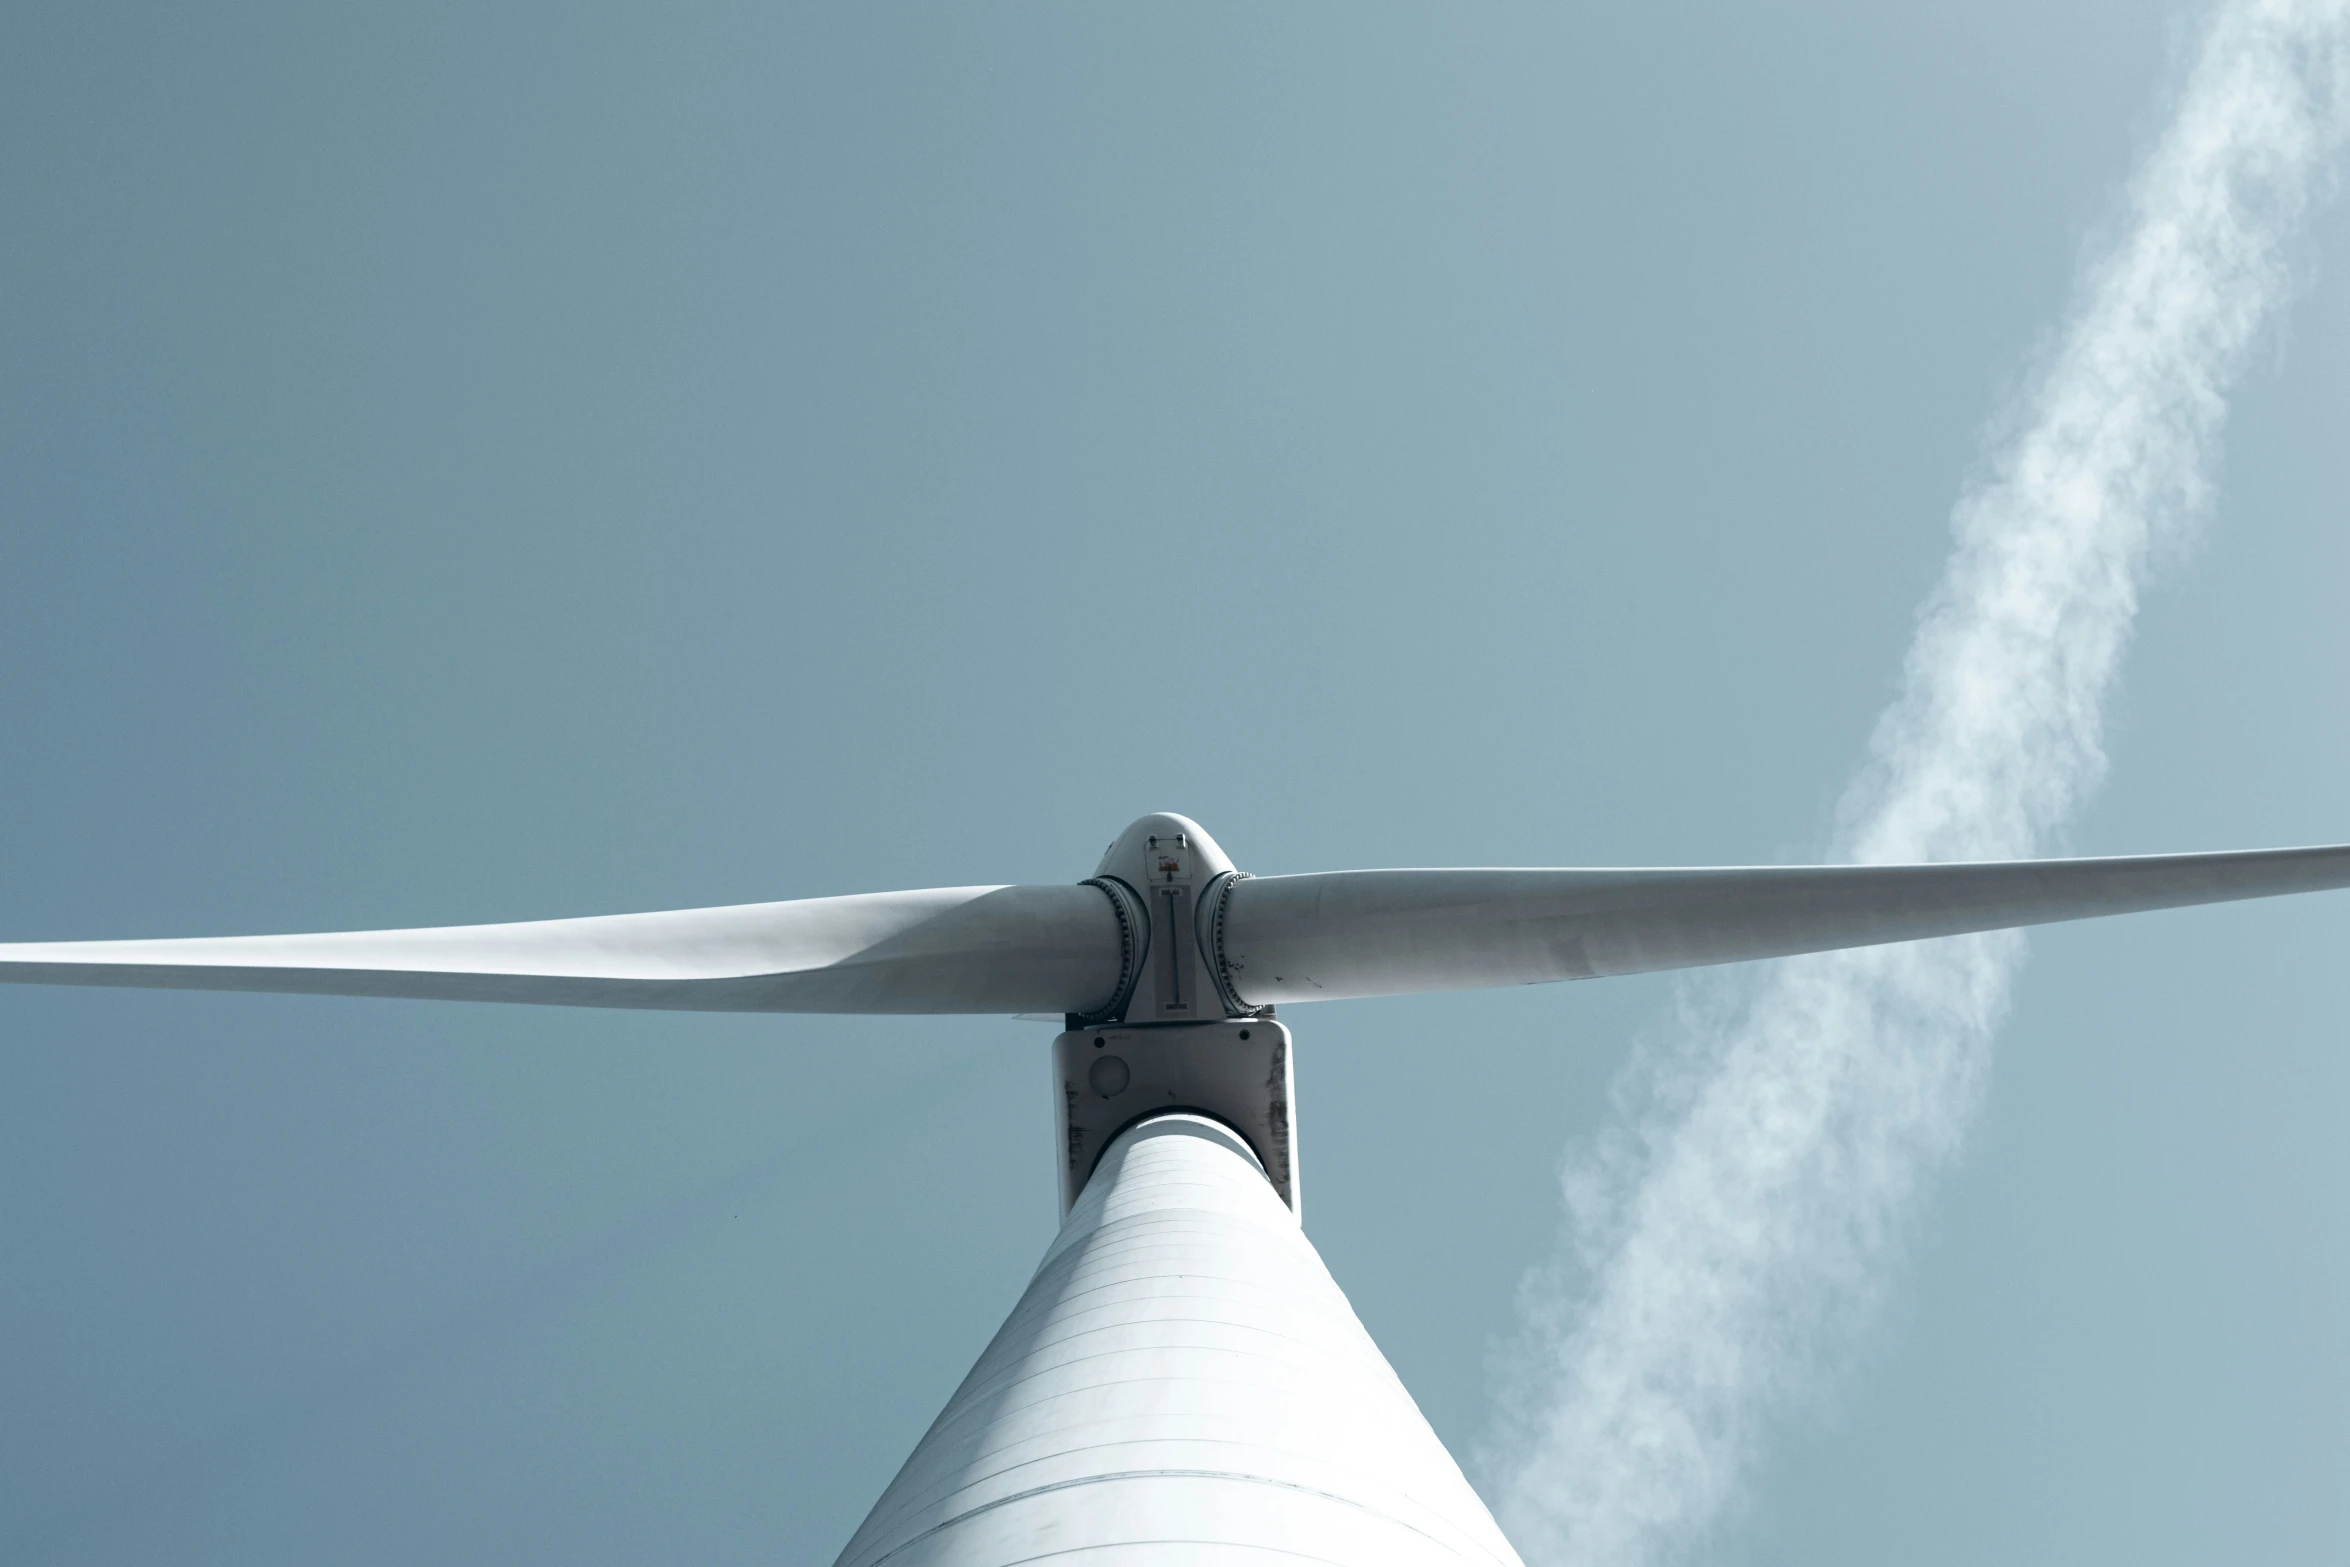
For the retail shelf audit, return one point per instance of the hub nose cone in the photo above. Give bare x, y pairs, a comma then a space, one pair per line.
1164, 848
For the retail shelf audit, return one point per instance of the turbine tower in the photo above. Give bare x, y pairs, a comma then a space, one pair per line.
1182, 1382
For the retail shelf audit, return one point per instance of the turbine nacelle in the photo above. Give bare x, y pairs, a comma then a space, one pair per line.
1165, 966
1240, 1071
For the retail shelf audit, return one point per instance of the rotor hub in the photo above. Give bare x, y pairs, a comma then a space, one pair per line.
1169, 881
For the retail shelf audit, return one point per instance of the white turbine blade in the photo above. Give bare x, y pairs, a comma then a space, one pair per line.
947, 949
1383, 933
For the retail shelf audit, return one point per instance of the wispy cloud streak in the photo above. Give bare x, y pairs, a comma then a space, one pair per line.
1739, 1221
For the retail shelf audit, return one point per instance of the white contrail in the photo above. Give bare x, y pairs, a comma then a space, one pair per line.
1740, 1219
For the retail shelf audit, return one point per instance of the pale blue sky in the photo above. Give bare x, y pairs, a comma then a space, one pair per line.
501, 461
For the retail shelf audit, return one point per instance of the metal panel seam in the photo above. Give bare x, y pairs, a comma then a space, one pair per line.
1162, 1474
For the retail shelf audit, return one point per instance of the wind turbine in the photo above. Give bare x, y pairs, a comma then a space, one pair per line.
1182, 1381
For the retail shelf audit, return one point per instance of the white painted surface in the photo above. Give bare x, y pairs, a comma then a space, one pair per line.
944, 949
1183, 1383
1240, 1071
1209, 943
1176, 872
1334, 934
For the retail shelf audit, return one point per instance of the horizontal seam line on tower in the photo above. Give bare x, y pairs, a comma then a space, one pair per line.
1157, 1474
1374, 1482
1003, 1385
930, 1496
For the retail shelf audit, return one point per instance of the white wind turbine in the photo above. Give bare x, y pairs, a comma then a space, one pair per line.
1182, 1382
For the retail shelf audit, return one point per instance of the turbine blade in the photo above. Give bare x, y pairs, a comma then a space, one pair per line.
947, 949
1381, 933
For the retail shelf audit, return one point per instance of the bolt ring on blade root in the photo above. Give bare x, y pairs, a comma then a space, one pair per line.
1134, 939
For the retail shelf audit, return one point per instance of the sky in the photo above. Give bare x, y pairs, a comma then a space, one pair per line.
506, 462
